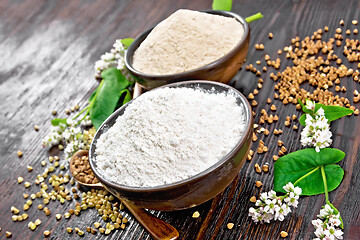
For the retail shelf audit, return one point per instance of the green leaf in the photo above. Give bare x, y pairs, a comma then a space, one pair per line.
106, 97
301, 103
127, 42
57, 121
224, 5
336, 212
304, 109
302, 168
333, 112
127, 97
302, 119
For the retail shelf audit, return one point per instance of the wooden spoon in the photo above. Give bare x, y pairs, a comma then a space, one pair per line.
156, 227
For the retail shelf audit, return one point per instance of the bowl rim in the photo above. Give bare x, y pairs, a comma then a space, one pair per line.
138, 40
164, 187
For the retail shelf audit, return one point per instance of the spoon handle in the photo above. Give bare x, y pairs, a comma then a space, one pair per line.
137, 90
156, 227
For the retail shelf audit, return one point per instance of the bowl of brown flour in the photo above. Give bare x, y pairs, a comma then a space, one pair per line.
174, 147
189, 45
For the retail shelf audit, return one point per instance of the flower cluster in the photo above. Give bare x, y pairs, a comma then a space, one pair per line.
275, 207
74, 136
317, 129
327, 226
113, 59
55, 136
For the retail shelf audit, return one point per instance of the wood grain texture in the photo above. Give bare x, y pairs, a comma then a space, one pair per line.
48, 49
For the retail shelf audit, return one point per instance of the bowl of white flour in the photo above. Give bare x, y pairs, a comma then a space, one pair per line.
188, 45
175, 146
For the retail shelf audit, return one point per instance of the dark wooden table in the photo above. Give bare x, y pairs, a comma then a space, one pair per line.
48, 50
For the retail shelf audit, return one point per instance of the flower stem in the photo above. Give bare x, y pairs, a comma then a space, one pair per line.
89, 106
297, 181
87, 112
325, 184
77, 115
254, 17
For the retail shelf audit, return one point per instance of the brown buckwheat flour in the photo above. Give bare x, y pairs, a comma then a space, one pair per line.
187, 40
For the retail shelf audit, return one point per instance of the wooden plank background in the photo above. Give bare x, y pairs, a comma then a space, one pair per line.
48, 49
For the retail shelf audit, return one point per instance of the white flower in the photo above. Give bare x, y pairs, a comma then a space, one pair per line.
108, 57
317, 131
338, 234
332, 233
61, 127
291, 200
66, 135
121, 64
320, 112
70, 121
254, 214
100, 65
252, 211
263, 196
272, 207
289, 187
272, 194
258, 203
319, 232
317, 223
86, 122
55, 136
286, 208
335, 220
281, 212
325, 212
310, 104
266, 217
297, 191
119, 47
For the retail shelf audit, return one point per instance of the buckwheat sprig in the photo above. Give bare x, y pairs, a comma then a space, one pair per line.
74, 136
113, 59
317, 128
272, 207
327, 226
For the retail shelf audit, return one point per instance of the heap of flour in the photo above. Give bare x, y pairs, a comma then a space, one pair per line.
187, 40
168, 135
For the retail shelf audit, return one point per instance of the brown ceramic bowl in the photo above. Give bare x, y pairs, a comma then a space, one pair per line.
221, 70
191, 191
